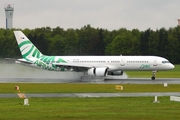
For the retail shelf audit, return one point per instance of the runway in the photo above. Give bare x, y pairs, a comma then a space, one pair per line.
81, 95
120, 81
145, 81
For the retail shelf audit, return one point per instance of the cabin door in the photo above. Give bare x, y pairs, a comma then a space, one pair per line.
122, 62
155, 63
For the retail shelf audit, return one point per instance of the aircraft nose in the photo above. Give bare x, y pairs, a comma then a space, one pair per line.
171, 66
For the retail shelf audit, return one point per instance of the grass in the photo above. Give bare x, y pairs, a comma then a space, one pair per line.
175, 73
126, 108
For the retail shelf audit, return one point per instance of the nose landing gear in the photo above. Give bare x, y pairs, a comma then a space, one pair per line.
154, 75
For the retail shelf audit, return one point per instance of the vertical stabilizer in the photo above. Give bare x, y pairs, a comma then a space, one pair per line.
27, 48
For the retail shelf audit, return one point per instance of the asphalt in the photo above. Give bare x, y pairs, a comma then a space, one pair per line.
80, 95
119, 81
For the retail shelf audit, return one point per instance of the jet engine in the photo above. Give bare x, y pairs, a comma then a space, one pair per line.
101, 71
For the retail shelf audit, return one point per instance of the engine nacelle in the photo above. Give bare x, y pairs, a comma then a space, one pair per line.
115, 73
97, 71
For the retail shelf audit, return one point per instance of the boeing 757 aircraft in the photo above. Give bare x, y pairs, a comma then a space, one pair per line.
99, 66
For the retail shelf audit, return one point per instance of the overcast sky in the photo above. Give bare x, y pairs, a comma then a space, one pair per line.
107, 14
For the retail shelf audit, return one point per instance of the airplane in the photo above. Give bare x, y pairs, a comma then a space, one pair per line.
97, 66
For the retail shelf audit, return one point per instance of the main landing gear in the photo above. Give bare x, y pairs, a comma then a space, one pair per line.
154, 74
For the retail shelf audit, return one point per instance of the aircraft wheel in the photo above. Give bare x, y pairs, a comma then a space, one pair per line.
153, 78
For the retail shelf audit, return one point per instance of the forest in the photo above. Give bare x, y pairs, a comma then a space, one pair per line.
96, 41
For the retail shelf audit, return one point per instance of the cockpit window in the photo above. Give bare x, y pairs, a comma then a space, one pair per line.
165, 61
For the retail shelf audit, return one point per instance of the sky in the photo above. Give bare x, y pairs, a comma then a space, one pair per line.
106, 14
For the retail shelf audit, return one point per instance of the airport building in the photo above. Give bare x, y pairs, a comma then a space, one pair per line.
9, 9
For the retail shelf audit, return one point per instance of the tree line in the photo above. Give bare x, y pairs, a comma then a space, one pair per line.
96, 41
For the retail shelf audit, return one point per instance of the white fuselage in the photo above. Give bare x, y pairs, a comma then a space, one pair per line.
115, 63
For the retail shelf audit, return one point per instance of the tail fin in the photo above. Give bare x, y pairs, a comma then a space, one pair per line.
27, 49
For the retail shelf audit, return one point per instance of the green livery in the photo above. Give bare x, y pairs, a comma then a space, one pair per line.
31, 54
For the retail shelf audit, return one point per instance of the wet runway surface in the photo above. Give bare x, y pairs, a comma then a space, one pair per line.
146, 81
120, 81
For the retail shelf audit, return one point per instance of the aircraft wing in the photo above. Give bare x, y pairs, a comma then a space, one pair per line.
75, 67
